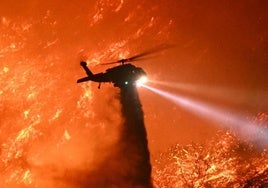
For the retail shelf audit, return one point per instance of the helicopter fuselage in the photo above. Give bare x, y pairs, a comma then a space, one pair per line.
120, 76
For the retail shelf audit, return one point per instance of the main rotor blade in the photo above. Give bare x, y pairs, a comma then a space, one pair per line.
145, 53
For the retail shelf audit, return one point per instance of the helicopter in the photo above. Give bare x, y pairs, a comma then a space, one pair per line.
122, 75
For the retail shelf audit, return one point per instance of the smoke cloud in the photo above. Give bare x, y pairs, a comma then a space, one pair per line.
121, 160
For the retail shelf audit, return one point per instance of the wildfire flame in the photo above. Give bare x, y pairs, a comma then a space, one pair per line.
225, 161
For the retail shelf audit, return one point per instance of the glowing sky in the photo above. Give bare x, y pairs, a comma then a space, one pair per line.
220, 45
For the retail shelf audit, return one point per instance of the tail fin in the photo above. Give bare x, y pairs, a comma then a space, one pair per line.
84, 65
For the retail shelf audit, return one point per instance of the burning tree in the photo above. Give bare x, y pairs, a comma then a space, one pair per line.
226, 161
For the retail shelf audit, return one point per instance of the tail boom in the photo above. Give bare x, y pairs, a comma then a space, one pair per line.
85, 79
84, 65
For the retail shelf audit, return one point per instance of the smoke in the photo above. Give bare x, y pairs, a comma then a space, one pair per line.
117, 154
70, 151
127, 161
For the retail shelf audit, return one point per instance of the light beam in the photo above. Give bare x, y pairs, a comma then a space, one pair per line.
243, 127
234, 95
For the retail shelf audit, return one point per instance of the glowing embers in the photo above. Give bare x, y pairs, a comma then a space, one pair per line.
224, 161
5, 69
103, 7
243, 127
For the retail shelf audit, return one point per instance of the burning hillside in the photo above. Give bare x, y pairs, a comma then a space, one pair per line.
226, 161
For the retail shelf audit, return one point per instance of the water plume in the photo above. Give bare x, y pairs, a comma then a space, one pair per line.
133, 140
